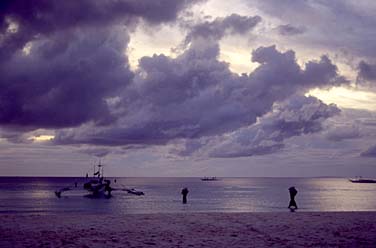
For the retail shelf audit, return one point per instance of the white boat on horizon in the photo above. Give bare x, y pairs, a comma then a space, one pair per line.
209, 179
362, 180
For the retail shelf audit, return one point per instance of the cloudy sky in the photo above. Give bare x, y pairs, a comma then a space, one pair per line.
188, 87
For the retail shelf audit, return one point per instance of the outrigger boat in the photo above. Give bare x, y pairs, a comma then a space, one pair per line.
99, 186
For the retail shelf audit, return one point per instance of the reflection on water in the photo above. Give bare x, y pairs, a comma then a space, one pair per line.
348, 197
163, 195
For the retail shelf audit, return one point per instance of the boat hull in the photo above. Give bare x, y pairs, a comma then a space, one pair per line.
362, 180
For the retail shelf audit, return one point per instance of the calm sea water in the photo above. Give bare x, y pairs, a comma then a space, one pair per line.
162, 195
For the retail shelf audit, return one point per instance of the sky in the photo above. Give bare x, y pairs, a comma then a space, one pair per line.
237, 88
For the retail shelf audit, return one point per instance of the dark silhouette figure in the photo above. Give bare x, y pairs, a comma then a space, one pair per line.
107, 187
293, 193
58, 192
184, 192
75, 184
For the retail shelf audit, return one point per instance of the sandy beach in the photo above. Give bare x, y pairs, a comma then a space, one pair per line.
299, 229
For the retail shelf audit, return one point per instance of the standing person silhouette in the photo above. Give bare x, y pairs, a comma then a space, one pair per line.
184, 192
292, 204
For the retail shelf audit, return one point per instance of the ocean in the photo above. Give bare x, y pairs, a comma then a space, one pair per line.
163, 195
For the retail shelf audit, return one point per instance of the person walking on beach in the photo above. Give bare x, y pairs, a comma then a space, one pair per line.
184, 192
292, 204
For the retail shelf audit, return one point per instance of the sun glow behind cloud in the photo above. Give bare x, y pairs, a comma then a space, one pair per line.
27, 48
146, 42
42, 138
12, 26
347, 97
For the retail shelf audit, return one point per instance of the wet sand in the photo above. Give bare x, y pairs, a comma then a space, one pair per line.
299, 229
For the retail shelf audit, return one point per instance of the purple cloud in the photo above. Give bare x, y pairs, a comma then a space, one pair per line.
36, 18
96, 151
233, 24
78, 77
370, 152
355, 35
290, 30
366, 72
64, 81
74, 62
297, 116
195, 95
339, 133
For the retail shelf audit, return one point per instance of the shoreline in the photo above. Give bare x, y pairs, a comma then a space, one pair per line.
261, 229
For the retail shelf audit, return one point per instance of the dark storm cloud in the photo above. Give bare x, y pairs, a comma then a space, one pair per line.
367, 72
369, 122
76, 75
353, 126
233, 24
339, 133
43, 17
195, 95
289, 30
64, 81
61, 62
370, 152
336, 25
246, 151
96, 151
297, 116
14, 136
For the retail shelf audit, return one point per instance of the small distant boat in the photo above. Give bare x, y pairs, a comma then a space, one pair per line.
362, 180
209, 179
134, 192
